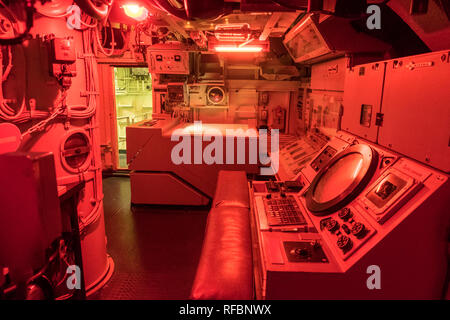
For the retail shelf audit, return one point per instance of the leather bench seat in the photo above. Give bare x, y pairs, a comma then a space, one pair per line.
231, 190
225, 270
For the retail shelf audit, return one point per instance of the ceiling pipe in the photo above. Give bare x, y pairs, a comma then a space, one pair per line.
293, 4
96, 9
197, 9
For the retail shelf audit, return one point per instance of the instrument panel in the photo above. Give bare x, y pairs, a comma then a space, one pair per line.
168, 61
382, 221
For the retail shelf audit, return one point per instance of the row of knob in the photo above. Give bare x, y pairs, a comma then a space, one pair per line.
357, 229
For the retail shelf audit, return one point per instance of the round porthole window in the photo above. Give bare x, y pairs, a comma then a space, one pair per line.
76, 151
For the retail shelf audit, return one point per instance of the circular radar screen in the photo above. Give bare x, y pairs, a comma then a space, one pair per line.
216, 95
341, 180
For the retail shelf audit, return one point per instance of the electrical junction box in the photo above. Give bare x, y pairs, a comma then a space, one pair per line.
63, 50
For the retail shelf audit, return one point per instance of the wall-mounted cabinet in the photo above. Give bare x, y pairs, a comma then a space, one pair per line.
402, 104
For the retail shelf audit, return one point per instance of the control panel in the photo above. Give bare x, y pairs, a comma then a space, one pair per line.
62, 58
304, 251
381, 197
283, 210
169, 62
387, 220
176, 93
295, 155
346, 230
320, 161
284, 186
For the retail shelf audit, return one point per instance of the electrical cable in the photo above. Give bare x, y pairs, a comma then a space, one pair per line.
11, 13
29, 10
6, 112
42, 125
100, 46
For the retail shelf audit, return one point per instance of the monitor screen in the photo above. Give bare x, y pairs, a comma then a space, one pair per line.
385, 190
338, 177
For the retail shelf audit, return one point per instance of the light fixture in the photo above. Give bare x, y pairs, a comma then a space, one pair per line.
135, 11
232, 32
238, 49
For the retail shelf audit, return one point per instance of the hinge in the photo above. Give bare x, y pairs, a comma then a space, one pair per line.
379, 119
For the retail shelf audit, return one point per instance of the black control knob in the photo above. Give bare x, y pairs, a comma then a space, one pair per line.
359, 230
344, 243
332, 225
345, 214
268, 196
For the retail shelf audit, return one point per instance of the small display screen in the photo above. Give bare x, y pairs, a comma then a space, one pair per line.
385, 190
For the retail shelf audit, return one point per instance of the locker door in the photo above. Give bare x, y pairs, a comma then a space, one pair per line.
362, 98
416, 108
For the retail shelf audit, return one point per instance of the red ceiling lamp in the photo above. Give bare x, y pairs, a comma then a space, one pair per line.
135, 11
255, 49
251, 46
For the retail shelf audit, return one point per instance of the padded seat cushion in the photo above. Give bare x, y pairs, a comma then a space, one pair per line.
231, 190
225, 268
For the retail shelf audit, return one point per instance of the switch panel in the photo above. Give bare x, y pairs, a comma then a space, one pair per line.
169, 62
63, 50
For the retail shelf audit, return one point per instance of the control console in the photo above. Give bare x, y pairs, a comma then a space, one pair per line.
361, 205
346, 231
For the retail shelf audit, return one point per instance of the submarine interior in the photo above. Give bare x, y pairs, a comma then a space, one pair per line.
224, 149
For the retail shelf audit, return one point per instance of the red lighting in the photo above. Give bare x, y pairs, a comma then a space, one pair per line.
238, 49
135, 11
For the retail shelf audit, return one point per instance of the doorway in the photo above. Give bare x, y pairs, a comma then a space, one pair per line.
133, 100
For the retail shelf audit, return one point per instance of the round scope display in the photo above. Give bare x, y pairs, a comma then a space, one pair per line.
341, 180
338, 178
216, 95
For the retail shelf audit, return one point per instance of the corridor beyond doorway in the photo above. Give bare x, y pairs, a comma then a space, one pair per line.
133, 91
